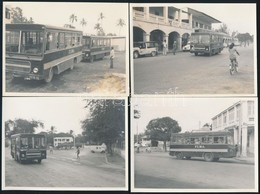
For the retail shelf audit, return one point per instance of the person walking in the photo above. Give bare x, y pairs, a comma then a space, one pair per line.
51, 150
112, 56
174, 47
164, 48
78, 152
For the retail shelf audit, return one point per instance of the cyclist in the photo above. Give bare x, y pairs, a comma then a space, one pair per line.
232, 53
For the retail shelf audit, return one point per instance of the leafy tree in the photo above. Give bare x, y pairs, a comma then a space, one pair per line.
160, 129
17, 16
208, 126
106, 122
21, 126
100, 31
245, 38
121, 24
100, 18
83, 22
223, 28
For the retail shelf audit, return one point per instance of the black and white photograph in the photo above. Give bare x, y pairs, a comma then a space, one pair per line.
193, 49
64, 143
194, 144
64, 47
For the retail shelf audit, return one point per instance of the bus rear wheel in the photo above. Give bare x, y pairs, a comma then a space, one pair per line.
48, 75
208, 157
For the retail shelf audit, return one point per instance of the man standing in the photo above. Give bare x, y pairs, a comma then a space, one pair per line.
174, 47
164, 48
78, 152
112, 56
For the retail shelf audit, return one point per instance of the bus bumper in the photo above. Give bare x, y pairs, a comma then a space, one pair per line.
28, 76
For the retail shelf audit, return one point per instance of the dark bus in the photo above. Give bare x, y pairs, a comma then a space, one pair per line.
37, 52
208, 43
96, 47
209, 145
28, 147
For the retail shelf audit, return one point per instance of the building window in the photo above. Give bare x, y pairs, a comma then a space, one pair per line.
214, 125
250, 108
225, 118
231, 115
7, 14
219, 121
201, 25
197, 24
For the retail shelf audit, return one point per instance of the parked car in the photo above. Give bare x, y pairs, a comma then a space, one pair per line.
186, 47
145, 48
98, 148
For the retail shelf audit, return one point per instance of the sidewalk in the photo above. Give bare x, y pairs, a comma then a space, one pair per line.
248, 160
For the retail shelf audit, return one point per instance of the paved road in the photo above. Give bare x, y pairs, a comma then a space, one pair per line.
84, 78
62, 169
194, 74
159, 170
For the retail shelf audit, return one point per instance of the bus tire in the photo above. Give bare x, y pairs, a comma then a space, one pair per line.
48, 75
208, 157
39, 161
196, 54
179, 156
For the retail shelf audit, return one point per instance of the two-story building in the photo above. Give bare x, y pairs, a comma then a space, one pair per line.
239, 119
168, 23
61, 140
7, 14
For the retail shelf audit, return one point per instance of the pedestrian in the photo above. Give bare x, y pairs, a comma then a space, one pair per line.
164, 48
78, 152
51, 150
174, 47
112, 56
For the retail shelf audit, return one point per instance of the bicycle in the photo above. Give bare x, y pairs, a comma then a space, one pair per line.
233, 67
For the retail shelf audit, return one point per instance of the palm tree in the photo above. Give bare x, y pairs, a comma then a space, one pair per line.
101, 17
83, 22
121, 24
73, 18
99, 28
52, 131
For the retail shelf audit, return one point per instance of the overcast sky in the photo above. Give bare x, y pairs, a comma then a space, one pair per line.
58, 14
65, 113
190, 113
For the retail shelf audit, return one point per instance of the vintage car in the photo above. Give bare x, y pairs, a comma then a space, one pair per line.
145, 48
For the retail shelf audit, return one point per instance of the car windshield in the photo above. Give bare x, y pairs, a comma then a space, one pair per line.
24, 42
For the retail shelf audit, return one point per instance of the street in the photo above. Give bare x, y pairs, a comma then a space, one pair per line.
86, 77
159, 170
63, 169
185, 73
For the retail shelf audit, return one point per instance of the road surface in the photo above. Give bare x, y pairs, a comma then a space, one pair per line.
62, 169
185, 73
159, 170
84, 78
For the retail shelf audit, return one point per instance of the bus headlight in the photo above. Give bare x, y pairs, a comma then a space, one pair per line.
206, 48
35, 70
86, 55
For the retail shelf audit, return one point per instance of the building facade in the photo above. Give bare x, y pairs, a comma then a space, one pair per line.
168, 23
7, 14
240, 120
61, 140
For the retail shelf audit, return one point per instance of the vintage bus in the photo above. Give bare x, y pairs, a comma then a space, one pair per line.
96, 47
37, 52
209, 145
207, 42
28, 147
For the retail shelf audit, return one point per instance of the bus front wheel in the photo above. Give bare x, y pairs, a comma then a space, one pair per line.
208, 157
179, 156
39, 161
48, 75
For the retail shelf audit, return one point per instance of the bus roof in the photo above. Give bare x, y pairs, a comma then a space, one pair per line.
38, 27
27, 134
203, 133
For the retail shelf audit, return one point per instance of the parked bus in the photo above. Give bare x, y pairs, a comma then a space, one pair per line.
209, 43
209, 145
96, 47
37, 52
28, 147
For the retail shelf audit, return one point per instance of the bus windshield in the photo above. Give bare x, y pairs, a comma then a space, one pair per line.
200, 38
32, 142
24, 42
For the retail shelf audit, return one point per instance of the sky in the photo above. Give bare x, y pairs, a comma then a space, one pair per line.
58, 14
190, 113
65, 113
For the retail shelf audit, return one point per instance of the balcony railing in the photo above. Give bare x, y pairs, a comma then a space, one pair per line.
141, 16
